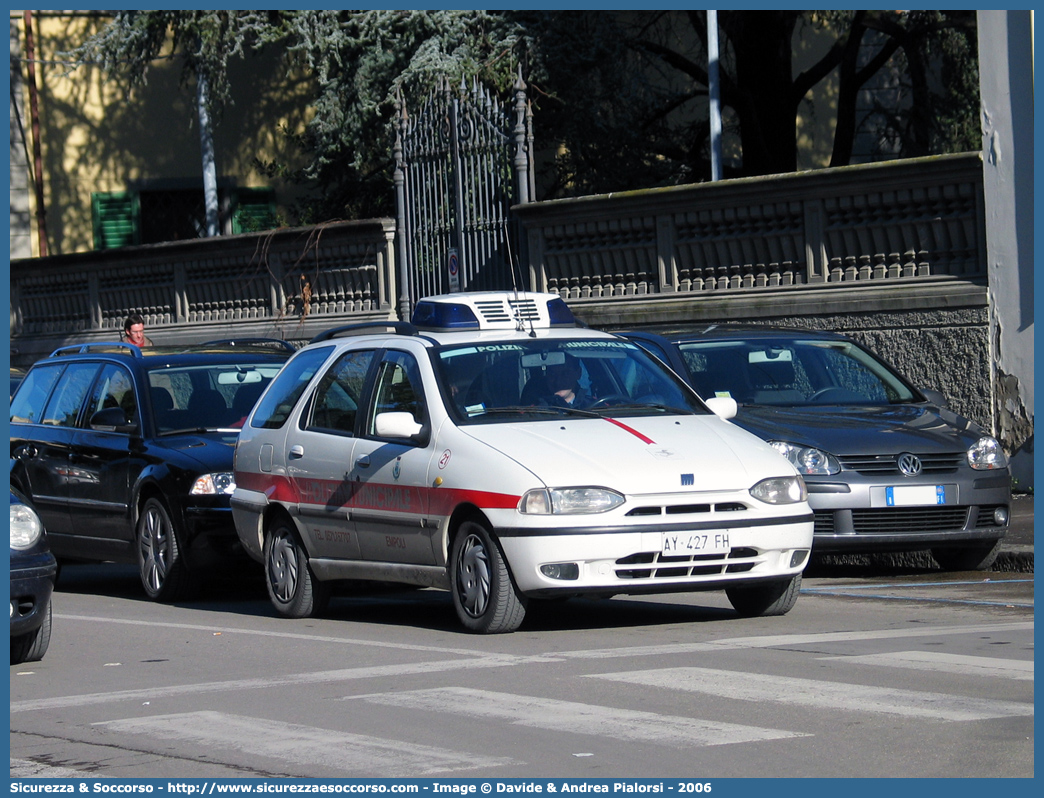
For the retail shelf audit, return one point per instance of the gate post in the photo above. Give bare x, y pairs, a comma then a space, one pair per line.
464, 269
400, 218
521, 154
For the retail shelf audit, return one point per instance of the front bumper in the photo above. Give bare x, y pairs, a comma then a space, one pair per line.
629, 560
211, 530
854, 516
32, 583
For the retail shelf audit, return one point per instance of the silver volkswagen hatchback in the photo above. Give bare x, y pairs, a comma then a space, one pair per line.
888, 466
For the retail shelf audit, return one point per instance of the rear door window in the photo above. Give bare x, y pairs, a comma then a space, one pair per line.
64, 406
339, 394
277, 404
114, 388
28, 403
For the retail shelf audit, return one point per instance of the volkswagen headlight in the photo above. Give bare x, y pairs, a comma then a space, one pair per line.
987, 455
807, 459
214, 485
780, 490
569, 501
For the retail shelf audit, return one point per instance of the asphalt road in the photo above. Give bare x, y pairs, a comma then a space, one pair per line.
905, 674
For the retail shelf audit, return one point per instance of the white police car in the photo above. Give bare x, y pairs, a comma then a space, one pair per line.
495, 448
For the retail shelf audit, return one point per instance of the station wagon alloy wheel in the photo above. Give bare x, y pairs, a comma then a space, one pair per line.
160, 563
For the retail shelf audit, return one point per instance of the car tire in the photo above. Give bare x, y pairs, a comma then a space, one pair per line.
293, 588
967, 558
768, 598
161, 557
484, 594
32, 646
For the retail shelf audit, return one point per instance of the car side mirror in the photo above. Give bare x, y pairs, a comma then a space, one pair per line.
398, 424
935, 397
723, 406
112, 419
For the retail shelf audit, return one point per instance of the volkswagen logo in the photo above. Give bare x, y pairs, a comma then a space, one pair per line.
910, 464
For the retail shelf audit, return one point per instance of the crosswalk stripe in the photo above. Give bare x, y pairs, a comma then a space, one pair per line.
939, 661
263, 682
474, 660
577, 718
821, 694
352, 753
799, 639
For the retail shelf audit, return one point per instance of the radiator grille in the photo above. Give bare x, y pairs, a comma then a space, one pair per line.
897, 520
888, 463
653, 565
688, 509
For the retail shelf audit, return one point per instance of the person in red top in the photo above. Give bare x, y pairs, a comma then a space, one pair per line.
134, 331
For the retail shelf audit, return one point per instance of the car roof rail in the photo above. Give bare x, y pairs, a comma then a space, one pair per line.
263, 342
98, 346
367, 328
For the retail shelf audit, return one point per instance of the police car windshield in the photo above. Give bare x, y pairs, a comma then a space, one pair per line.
541, 379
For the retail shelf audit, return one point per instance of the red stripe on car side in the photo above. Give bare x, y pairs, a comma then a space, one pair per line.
276, 488
372, 495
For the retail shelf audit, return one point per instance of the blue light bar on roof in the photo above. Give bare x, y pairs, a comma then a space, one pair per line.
559, 314
444, 316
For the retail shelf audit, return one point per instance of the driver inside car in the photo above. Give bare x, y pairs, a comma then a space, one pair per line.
563, 385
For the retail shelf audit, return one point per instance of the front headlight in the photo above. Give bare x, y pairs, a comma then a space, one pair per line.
569, 501
987, 455
213, 484
26, 527
780, 490
807, 459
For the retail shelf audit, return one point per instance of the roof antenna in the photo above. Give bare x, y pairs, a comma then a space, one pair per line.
520, 323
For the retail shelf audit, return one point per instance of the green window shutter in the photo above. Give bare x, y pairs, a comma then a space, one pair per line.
253, 210
116, 219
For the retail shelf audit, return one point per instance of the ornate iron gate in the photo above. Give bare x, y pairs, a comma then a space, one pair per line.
460, 165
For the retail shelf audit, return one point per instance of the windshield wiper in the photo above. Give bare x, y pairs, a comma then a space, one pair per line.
197, 431
601, 411
552, 410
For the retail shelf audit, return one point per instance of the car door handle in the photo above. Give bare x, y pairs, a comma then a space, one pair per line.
363, 462
296, 452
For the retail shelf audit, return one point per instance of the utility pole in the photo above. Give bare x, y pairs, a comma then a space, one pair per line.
714, 91
34, 117
206, 141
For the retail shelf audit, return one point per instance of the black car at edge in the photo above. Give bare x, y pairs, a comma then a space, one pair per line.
33, 570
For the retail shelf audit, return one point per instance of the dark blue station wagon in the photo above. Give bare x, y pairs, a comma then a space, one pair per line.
127, 453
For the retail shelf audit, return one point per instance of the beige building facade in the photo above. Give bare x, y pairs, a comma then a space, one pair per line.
101, 153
